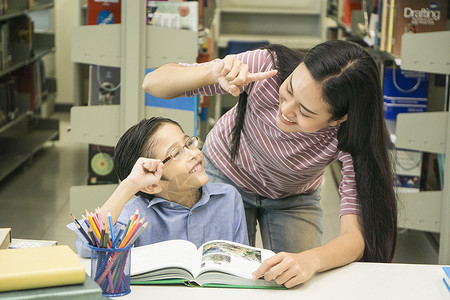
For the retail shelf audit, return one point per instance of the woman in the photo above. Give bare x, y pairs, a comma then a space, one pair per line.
295, 116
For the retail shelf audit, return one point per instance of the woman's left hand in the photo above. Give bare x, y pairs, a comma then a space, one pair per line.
289, 269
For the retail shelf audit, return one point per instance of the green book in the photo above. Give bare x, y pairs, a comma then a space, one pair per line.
89, 290
214, 264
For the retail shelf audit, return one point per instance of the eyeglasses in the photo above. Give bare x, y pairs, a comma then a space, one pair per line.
178, 152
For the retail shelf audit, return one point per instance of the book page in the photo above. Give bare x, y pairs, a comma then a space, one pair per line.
230, 257
167, 254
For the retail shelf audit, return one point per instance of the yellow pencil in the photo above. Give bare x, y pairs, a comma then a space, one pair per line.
94, 227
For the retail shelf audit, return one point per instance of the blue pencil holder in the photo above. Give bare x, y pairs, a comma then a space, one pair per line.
110, 268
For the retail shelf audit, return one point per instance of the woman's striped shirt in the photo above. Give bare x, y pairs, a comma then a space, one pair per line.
272, 163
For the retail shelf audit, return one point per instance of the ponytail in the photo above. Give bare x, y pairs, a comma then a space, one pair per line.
285, 62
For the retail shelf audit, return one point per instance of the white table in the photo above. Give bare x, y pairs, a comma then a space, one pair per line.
361, 281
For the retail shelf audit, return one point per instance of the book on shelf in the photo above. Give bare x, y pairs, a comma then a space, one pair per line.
88, 290
399, 17
414, 16
5, 56
5, 238
30, 268
177, 14
8, 101
216, 263
103, 12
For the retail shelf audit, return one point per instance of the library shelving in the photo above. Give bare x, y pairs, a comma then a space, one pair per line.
23, 131
126, 45
296, 24
428, 132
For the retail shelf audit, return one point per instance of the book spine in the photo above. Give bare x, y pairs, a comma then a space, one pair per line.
391, 26
384, 15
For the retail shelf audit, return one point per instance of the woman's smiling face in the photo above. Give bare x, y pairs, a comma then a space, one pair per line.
302, 108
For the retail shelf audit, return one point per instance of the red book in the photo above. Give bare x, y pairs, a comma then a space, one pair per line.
103, 12
417, 16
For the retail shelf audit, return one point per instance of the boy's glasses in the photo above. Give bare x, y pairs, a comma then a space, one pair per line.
178, 152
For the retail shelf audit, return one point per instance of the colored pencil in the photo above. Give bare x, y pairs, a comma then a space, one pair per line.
97, 223
111, 227
131, 233
99, 216
102, 237
127, 227
119, 234
81, 230
93, 225
138, 233
93, 237
105, 242
167, 159
136, 215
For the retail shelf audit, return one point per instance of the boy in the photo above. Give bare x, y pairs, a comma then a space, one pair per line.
173, 193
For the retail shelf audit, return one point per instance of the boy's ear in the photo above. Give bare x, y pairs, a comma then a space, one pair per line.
151, 189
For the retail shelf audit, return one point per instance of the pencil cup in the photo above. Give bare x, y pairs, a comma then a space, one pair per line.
110, 268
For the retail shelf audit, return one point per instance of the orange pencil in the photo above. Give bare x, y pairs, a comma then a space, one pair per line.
136, 235
127, 236
132, 233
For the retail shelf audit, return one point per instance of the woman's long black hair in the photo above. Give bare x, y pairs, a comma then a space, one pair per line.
351, 86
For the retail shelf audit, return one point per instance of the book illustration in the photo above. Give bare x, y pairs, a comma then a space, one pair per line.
217, 259
232, 250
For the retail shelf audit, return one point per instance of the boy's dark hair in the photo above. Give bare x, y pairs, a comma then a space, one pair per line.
137, 142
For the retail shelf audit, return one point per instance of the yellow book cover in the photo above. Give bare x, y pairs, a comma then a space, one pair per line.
30, 268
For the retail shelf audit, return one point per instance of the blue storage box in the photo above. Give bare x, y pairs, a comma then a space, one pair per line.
404, 92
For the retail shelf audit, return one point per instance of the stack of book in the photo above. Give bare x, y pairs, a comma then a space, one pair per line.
43, 271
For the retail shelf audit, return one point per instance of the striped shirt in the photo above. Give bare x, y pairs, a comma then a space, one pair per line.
272, 163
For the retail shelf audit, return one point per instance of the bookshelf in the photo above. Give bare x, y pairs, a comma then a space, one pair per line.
429, 132
126, 45
23, 126
296, 24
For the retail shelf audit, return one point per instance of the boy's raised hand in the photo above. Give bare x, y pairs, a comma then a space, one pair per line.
147, 172
232, 74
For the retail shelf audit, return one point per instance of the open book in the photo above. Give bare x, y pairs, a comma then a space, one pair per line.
215, 264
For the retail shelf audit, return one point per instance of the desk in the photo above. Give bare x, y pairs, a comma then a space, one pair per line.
355, 281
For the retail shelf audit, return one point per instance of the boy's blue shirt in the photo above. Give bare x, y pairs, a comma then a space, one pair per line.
219, 214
